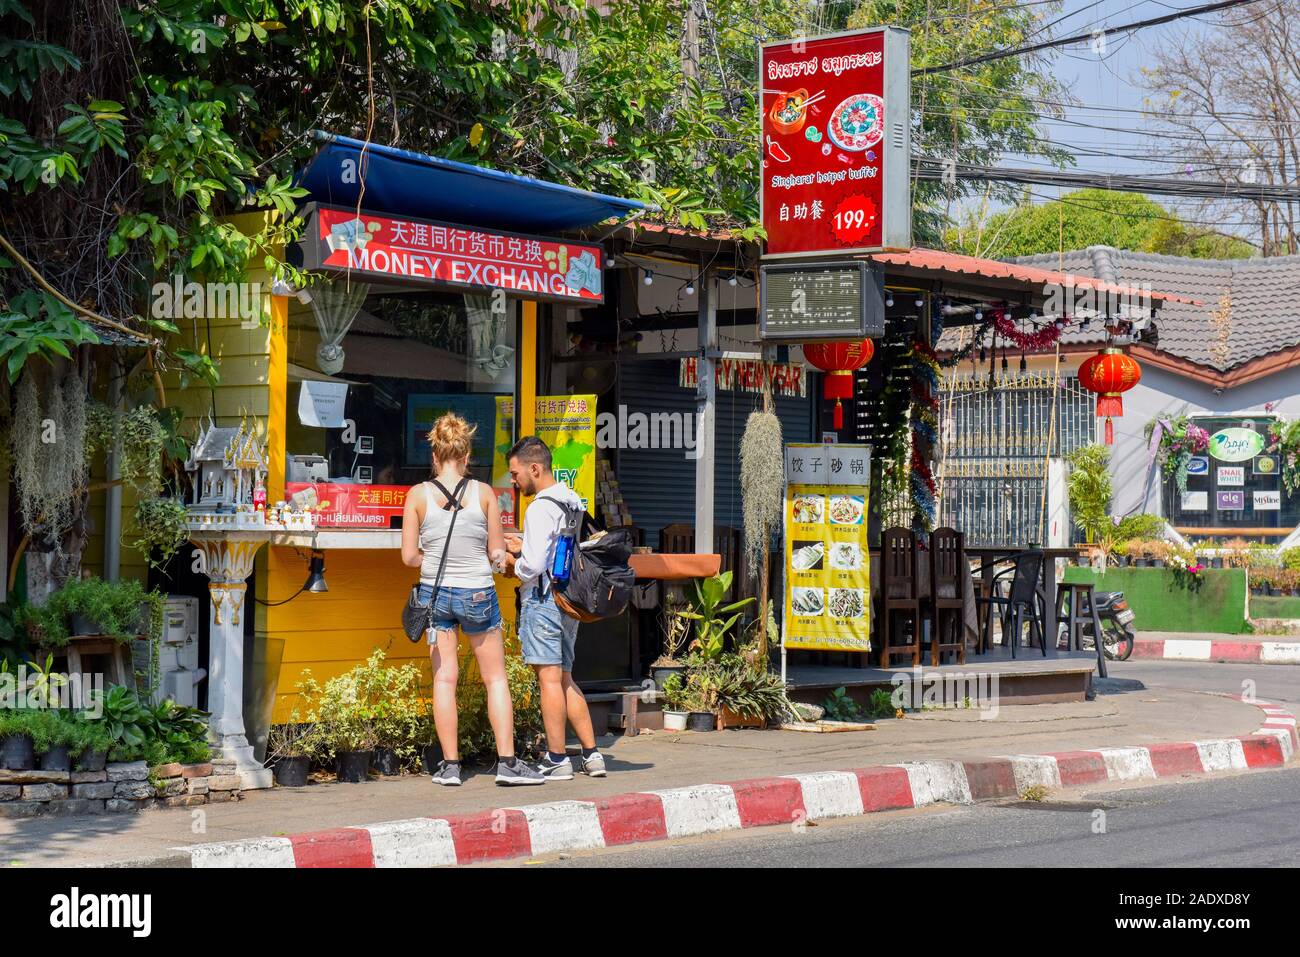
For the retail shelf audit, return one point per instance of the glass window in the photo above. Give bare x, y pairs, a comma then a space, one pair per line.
408, 357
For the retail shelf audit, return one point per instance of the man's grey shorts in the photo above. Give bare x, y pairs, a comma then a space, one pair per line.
546, 634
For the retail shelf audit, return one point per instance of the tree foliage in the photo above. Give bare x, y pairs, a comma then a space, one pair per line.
1090, 217
976, 114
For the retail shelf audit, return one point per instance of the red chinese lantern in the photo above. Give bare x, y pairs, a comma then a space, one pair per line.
1110, 373
839, 360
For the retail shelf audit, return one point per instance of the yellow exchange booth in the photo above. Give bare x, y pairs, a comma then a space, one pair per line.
429, 299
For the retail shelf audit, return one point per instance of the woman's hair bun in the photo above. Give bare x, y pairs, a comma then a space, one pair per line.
451, 438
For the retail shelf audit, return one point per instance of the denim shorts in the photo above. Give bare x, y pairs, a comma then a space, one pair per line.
475, 610
546, 634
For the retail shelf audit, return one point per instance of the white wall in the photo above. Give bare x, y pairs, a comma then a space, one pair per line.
1163, 393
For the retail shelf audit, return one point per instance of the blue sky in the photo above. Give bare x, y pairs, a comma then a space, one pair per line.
1106, 82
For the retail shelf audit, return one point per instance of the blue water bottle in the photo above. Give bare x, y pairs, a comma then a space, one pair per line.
563, 559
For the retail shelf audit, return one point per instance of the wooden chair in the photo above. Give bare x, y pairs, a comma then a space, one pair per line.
898, 593
946, 608
1019, 606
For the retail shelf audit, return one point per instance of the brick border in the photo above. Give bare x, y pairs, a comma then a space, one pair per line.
511, 833
1209, 649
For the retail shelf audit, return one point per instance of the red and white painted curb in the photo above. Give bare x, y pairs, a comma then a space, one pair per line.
1213, 649
508, 833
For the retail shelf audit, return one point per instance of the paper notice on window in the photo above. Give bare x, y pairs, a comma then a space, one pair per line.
320, 404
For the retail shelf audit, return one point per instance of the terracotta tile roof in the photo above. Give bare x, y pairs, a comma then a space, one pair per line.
1260, 296
1035, 273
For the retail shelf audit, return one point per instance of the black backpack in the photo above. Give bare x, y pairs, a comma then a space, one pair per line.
600, 579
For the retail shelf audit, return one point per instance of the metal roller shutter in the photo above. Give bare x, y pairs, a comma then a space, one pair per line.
659, 484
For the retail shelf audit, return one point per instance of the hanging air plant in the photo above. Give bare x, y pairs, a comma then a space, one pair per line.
48, 451
762, 483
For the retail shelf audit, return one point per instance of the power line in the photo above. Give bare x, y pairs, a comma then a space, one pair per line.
1080, 38
932, 169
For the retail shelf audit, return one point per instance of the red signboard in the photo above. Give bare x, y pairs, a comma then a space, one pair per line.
835, 168
405, 248
370, 506
352, 506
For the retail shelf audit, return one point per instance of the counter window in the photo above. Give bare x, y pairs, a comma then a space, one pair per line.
409, 356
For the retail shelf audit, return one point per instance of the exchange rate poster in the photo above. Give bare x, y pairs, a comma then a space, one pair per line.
836, 174
567, 424
827, 565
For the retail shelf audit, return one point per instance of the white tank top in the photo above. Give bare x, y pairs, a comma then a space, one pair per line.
467, 559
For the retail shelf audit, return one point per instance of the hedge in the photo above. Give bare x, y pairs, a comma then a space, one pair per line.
1160, 603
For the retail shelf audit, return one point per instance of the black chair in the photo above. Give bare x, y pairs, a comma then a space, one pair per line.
1020, 604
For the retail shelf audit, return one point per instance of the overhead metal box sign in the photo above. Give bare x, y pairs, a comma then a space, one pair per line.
827, 300
836, 127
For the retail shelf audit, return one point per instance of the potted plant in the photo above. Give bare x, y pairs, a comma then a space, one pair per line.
426, 739
676, 628
16, 749
397, 713
91, 745
289, 749
674, 693
59, 740
707, 610
345, 720
701, 700
122, 610
749, 695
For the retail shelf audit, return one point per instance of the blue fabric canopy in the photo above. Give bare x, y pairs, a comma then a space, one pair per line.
400, 182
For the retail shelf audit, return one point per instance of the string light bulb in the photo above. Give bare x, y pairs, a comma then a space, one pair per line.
690, 289
649, 279
889, 300
732, 280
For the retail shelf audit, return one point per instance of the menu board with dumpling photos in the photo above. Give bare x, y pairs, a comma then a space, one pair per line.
827, 566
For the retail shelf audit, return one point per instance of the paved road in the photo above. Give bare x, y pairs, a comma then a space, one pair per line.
1244, 820
1272, 682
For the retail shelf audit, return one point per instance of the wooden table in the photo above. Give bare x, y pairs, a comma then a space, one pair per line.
988, 554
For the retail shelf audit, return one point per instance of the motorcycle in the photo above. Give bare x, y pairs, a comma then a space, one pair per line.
1116, 625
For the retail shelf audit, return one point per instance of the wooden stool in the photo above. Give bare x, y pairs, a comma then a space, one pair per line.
1082, 612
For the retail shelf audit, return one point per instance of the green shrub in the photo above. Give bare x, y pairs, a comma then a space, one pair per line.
1090, 490
1140, 527
115, 606
1290, 558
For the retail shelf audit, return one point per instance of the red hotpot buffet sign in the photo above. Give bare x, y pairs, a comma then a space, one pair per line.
419, 249
835, 172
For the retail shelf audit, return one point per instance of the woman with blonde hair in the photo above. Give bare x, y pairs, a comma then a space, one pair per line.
455, 563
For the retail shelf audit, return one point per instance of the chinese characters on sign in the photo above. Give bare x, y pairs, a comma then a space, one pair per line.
354, 506
827, 565
406, 248
835, 142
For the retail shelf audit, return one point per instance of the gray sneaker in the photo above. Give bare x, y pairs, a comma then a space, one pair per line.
594, 765
520, 774
556, 772
447, 774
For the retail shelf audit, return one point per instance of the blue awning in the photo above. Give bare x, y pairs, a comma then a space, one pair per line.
400, 182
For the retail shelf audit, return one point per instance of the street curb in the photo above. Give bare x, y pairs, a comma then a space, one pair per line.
510, 833
1207, 649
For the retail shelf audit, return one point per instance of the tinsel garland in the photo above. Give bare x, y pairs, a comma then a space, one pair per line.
964, 353
1037, 341
925, 429
923, 488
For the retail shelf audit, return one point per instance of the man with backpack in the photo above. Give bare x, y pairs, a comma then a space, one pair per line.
547, 634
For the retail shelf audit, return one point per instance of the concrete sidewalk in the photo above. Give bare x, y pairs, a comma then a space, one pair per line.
646, 762
1201, 646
